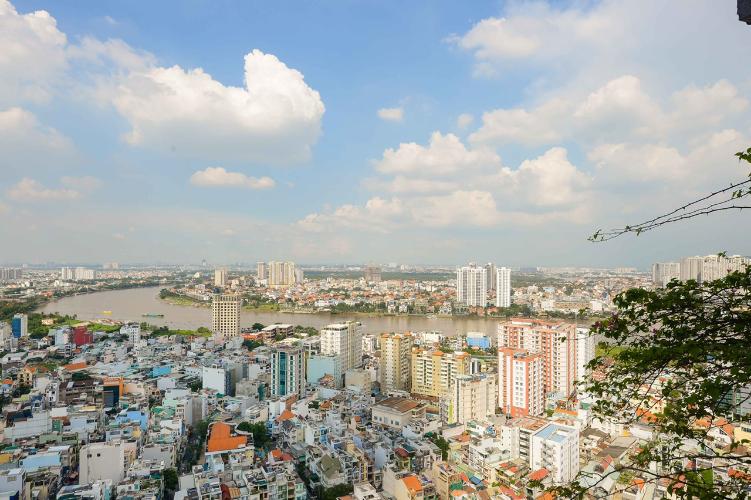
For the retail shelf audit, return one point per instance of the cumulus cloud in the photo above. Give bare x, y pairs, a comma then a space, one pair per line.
391, 114
219, 177
27, 144
275, 117
29, 190
33, 54
445, 154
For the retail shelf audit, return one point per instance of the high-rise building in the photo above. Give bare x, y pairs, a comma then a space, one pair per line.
471, 286
282, 274
19, 325
225, 315
711, 267
490, 276
555, 448
67, 274
521, 391
394, 361
503, 287
472, 397
77, 274
261, 271
664, 272
343, 340
287, 370
220, 277
434, 371
554, 341
585, 352
372, 273
10, 274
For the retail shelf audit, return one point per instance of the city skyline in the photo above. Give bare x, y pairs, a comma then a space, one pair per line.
436, 133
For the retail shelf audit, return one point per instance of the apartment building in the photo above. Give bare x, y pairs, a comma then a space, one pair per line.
521, 390
434, 372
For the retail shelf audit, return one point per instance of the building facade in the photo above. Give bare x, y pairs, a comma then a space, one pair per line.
503, 287
472, 397
521, 391
434, 372
287, 370
472, 286
343, 340
394, 364
225, 315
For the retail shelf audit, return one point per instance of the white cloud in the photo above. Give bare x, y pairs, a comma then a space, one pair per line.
33, 54
29, 190
275, 118
444, 155
219, 177
464, 120
541, 125
378, 215
26, 144
391, 114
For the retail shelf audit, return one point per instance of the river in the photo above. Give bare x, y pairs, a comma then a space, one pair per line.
131, 304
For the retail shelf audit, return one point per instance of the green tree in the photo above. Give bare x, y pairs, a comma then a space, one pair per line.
335, 492
261, 436
170, 480
258, 326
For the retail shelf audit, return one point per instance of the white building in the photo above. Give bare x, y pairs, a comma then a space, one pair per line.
664, 272
394, 362
503, 287
225, 315
217, 378
555, 447
472, 397
472, 285
343, 340
282, 274
220, 277
586, 344
261, 271
133, 331
102, 461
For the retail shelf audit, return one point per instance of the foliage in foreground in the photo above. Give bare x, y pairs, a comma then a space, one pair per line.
684, 366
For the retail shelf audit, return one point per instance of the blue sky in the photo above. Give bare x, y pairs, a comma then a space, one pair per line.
418, 132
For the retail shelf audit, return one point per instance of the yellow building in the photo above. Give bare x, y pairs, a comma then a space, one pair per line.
394, 361
434, 372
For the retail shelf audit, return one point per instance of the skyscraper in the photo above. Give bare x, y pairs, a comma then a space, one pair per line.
471, 285
394, 361
343, 340
521, 391
503, 287
554, 341
261, 272
220, 277
664, 272
287, 370
281, 274
225, 315
490, 276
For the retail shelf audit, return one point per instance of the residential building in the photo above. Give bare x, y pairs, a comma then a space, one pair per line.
282, 274
102, 461
471, 286
217, 378
261, 271
471, 397
287, 370
554, 341
10, 274
503, 287
343, 340
225, 315
555, 448
220, 277
434, 371
521, 390
586, 343
394, 361
490, 276
397, 413
372, 274
664, 272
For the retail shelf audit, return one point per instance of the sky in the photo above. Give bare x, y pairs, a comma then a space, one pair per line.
335, 131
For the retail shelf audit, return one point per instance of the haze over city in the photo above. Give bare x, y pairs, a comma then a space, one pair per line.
420, 132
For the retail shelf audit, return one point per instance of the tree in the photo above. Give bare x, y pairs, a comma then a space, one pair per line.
251, 345
335, 492
258, 326
678, 359
170, 479
260, 433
